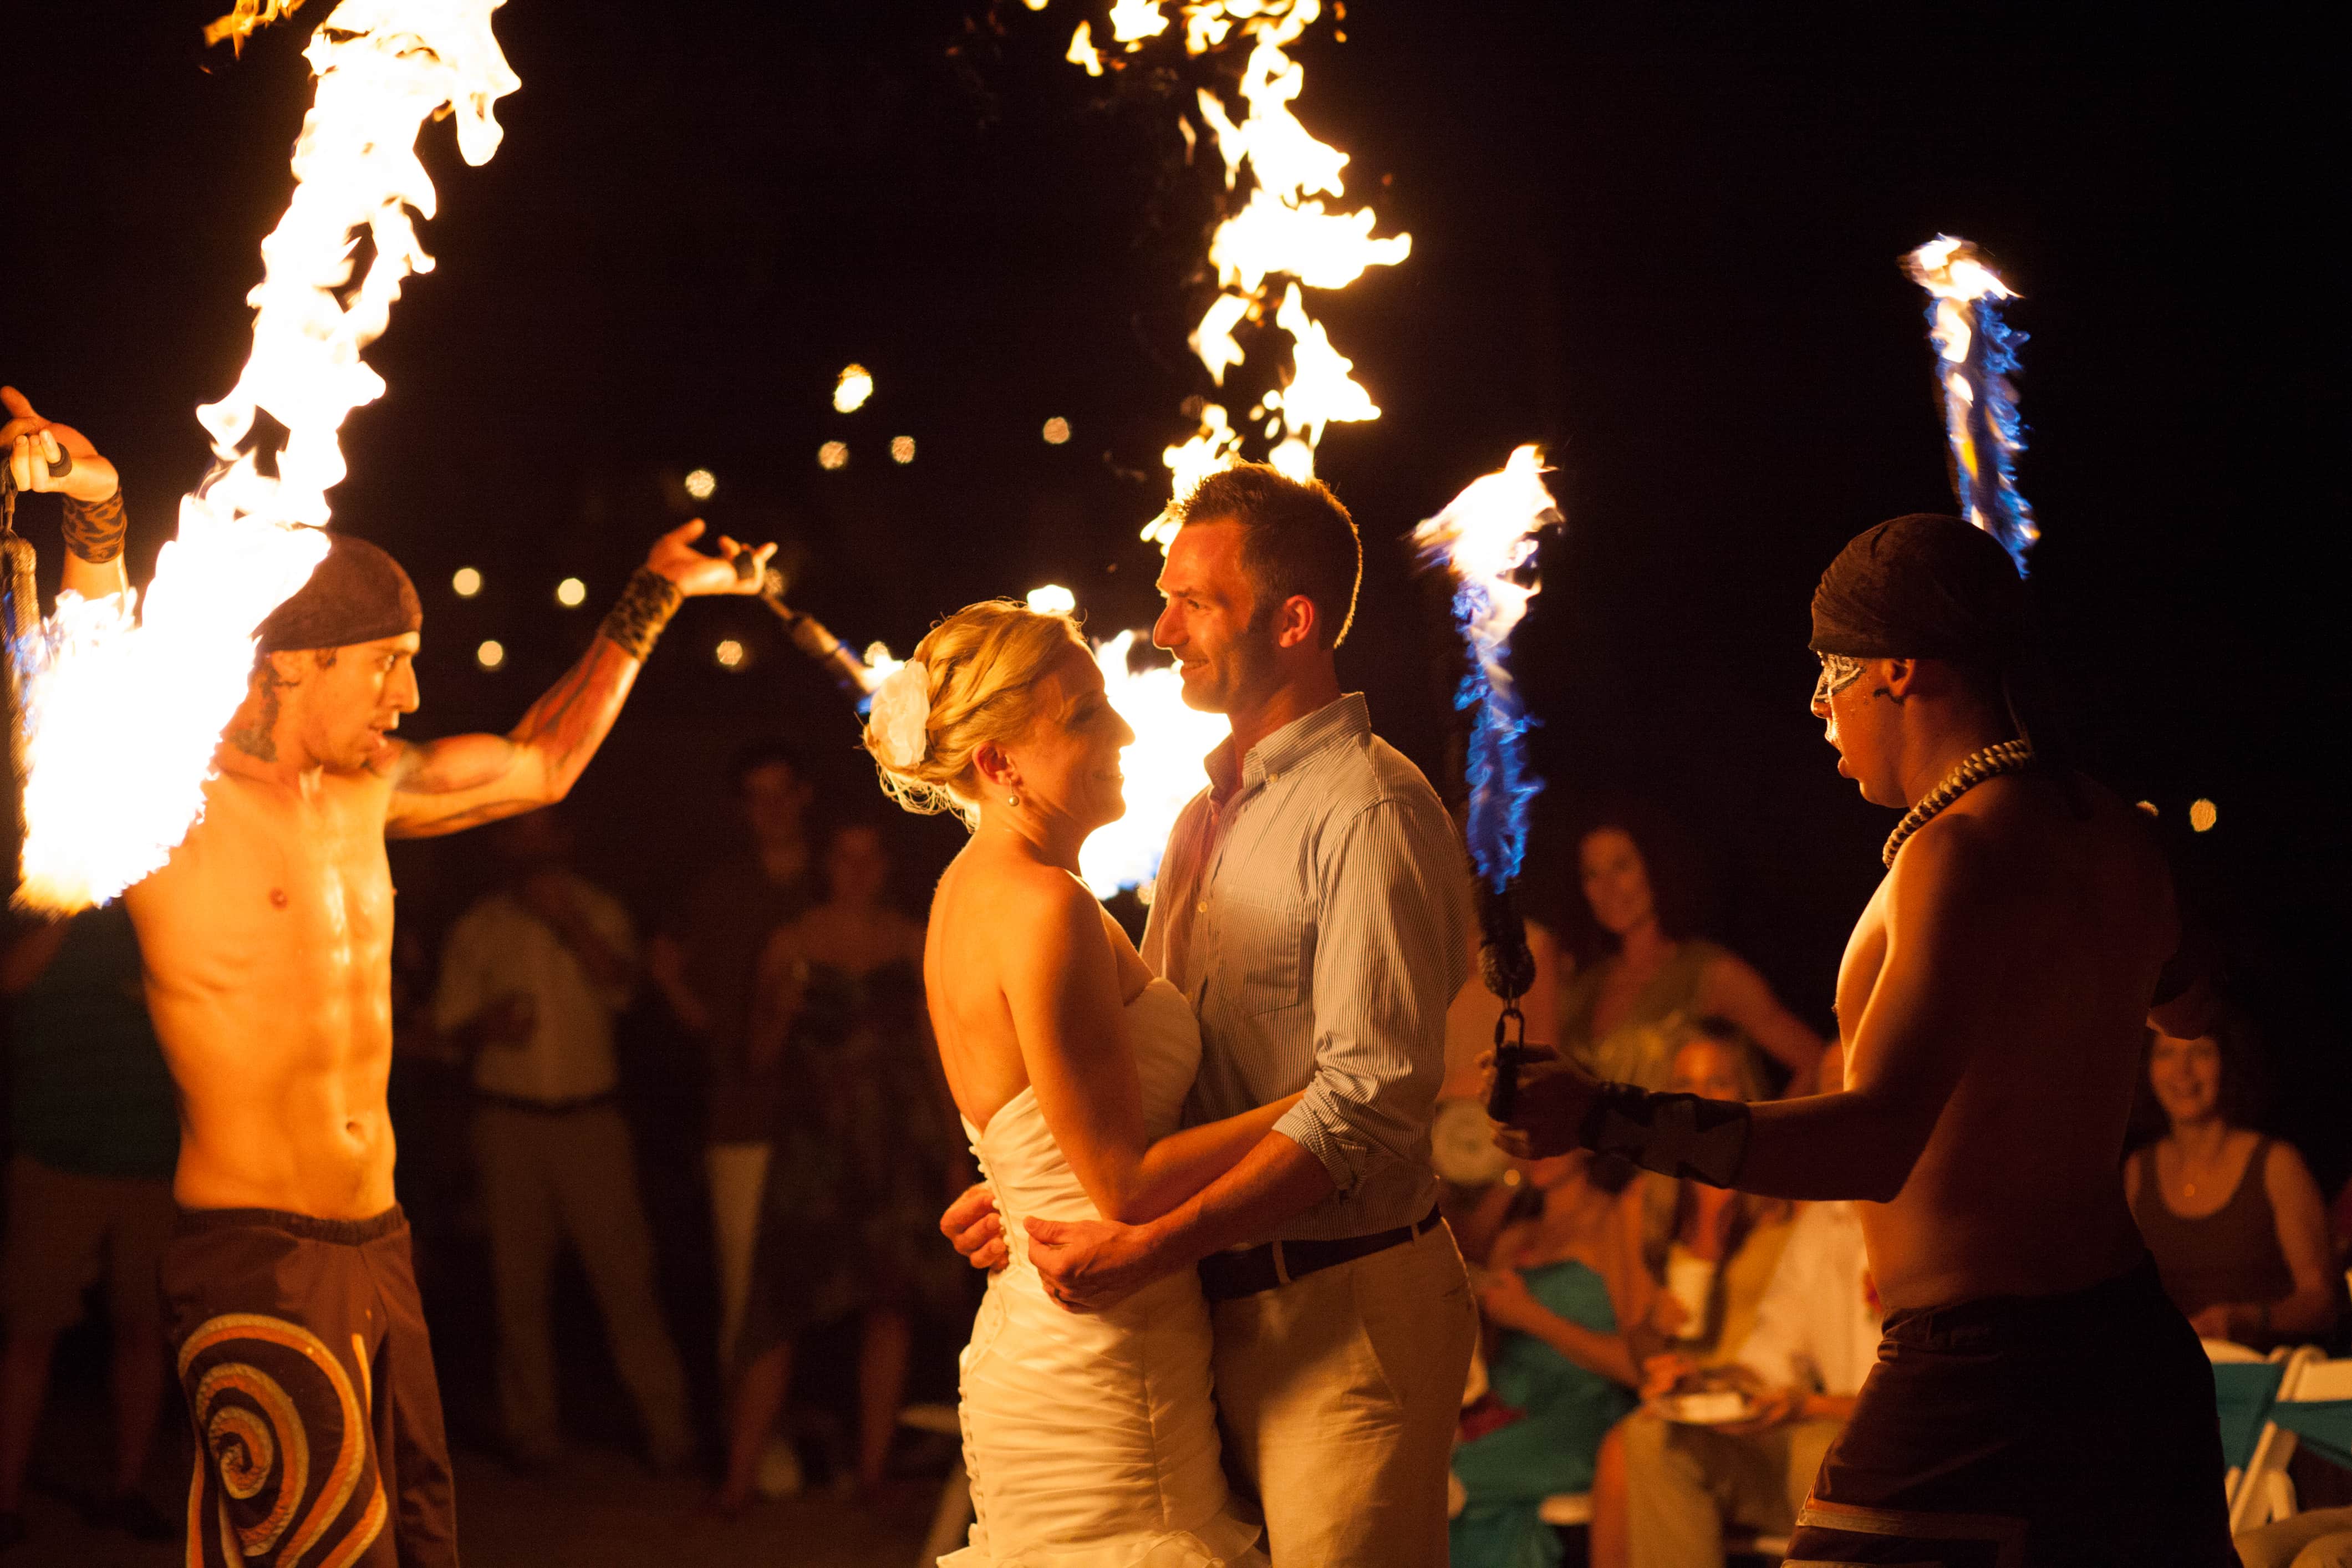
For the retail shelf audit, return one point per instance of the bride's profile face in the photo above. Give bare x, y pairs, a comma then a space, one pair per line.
1068, 763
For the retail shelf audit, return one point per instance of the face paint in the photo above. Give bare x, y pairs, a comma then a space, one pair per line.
1838, 672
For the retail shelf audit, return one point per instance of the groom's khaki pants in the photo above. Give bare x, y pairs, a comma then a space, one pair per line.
1338, 1395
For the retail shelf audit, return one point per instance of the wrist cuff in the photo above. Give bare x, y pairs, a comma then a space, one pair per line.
94, 530
1679, 1135
646, 606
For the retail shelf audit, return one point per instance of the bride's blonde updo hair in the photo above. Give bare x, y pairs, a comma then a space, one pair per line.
984, 662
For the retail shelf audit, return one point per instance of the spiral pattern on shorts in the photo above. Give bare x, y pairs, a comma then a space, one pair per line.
286, 1436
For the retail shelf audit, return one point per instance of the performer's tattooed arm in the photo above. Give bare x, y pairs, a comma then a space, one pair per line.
44, 456
446, 786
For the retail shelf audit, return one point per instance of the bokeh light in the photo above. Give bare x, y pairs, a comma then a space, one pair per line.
730, 653
701, 484
491, 654
833, 454
902, 449
2149, 806
1058, 430
465, 582
2203, 815
1053, 599
854, 387
571, 592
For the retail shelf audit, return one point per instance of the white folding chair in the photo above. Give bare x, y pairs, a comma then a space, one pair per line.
2261, 1492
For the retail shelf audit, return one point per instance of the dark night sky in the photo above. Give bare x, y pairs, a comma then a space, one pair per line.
1660, 238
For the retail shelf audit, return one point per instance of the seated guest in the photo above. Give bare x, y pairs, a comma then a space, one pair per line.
2234, 1220
1560, 1373
1641, 974
2320, 1538
1816, 1338
1711, 1251
864, 1154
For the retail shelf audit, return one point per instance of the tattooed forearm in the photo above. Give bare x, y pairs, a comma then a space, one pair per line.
645, 607
94, 528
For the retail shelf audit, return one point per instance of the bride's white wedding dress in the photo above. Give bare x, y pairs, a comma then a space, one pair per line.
1090, 1439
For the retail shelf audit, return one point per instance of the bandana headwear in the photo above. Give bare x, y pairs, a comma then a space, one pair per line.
358, 594
1922, 586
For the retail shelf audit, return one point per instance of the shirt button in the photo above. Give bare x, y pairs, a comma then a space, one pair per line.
1201, 908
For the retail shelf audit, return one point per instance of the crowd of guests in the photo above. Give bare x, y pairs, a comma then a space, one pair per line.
1676, 1359
1677, 1356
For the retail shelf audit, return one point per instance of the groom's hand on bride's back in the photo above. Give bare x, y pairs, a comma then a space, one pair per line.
972, 1224
1092, 1265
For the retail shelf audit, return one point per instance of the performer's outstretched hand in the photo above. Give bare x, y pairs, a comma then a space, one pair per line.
1550, 1114
694, 572
1091, 1264
35, 450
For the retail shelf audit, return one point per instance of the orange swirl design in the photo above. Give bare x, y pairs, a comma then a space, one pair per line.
262, 1434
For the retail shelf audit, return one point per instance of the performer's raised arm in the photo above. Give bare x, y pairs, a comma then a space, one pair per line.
442, 786
43, 457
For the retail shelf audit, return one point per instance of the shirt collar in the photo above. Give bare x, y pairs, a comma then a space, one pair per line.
1342, 718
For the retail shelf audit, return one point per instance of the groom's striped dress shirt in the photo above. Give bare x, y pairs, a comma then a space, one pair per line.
1314, 905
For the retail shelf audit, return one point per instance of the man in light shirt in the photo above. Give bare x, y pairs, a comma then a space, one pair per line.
531, 979
1816, 1338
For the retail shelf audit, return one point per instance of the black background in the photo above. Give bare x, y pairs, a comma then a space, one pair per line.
1659, 237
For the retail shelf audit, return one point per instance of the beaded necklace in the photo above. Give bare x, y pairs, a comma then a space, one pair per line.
2008, 757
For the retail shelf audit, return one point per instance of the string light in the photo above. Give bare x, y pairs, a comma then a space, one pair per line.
491, 654
833, 454
851, 390
902, 449
571, 593
701, 484
2203, 815
730, 653
1058, 430
465, 582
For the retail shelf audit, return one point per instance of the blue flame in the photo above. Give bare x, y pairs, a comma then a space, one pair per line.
1990, 498
1502, 787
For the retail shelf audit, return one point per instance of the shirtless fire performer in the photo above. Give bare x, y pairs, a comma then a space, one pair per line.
267, 941
2036, 1400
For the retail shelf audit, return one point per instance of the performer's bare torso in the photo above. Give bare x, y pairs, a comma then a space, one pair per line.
2019, 1190
267, 940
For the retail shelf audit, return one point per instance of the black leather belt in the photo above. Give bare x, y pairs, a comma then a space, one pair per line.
1227, 1275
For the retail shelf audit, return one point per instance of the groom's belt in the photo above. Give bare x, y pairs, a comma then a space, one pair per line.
1226, 1275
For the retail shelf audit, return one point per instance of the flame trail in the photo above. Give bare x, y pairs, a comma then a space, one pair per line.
124, 712
1281, 237
1486, 538
1976, 352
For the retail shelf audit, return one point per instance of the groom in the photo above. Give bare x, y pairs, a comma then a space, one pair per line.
1314, 908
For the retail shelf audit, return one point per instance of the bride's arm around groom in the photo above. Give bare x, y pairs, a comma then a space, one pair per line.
1313, 905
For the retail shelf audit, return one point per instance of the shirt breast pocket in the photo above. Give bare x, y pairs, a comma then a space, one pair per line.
1265, 945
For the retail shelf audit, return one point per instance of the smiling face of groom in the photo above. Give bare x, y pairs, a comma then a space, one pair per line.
1225, 650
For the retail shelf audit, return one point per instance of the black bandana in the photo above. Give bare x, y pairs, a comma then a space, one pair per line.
358, 594
1922, 586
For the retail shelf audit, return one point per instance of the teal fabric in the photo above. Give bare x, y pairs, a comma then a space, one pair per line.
1507, 1473
2324, 1425
2242, 1390
88, 1090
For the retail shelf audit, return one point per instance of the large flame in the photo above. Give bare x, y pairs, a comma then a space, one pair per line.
123, 714
1976, 354
1486, 538
1163, 768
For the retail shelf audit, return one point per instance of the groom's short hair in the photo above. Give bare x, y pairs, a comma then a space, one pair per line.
1296, 538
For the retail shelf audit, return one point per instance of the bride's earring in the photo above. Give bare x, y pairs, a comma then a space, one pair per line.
1014, 800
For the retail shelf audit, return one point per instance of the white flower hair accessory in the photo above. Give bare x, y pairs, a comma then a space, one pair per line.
901, 714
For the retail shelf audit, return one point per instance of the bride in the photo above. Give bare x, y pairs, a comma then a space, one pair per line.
1091, 1440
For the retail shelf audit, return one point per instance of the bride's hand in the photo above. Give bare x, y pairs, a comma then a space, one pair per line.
1090, 1265
972, 1224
